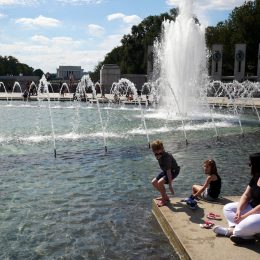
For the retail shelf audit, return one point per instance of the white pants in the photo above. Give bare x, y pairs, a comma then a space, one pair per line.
248, 227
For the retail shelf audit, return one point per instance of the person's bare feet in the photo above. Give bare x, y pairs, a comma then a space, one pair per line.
160, 198
162, 203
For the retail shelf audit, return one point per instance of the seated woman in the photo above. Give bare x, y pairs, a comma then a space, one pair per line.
212, 186
243, 217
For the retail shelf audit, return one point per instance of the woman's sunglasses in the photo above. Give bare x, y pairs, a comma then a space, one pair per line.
157, 154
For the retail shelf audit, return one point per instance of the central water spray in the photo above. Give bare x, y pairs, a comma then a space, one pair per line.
180, 62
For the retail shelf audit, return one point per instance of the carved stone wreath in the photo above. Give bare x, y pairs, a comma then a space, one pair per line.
216, 56
240, 55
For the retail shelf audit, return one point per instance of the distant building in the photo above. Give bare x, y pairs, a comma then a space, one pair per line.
68, 72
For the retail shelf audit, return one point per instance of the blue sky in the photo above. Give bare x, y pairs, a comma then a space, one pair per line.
48, 33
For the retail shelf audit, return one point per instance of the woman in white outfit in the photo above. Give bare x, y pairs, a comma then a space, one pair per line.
243, 217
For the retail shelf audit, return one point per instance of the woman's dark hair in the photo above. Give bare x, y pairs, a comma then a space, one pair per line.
213, 166
255, 164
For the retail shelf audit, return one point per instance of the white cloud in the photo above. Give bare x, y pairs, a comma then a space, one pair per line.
40, 21
210, 4
115, 16
40, 39
33, 2
201, 7
2, 15
18, 2
80, 2
129, 19
220, 4
60, 41
49, 53
95, 30
111, 42
125, 27
63, 40
132, 19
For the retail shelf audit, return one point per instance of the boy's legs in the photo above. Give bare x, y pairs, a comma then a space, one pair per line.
162, 190
159, 185
155, 183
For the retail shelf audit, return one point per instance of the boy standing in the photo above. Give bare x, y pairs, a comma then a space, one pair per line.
170, 171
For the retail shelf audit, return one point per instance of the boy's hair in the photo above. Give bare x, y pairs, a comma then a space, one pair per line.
157, 145
213, 166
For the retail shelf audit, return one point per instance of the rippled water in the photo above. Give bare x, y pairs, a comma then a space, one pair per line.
88, 204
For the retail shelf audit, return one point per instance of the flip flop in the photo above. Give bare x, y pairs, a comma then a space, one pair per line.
207, 224
214, 216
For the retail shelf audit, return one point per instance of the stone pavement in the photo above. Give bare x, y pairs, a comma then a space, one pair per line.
216, 101
181, 225
240, 102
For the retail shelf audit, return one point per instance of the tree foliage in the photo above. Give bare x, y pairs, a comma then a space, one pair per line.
38, 72
131, 56
242, 26
9, 65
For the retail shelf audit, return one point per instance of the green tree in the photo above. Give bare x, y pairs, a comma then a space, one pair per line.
96, 74
131, 56
38, 72
242, 26
9, 65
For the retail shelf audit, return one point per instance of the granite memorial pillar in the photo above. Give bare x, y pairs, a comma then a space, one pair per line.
258, 64
109, 74
216, 65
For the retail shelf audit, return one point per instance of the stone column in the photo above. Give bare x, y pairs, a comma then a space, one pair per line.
109, 74
149, 62
258, 64
216, 65
240, 62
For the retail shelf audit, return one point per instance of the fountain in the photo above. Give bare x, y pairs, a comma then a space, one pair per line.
237, 93
85, 83
2, 85
100, 117
180, 62
44, 89
32, 89
125, 87
64, 87
80, 93
181, 74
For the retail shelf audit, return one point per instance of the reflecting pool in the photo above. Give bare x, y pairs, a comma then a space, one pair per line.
92, 204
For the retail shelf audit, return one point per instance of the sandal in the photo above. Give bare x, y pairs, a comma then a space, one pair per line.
207, 224
214, 216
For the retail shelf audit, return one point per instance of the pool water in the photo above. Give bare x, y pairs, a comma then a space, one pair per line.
92, 204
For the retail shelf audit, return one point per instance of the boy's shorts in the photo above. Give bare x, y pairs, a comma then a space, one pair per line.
165, 177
